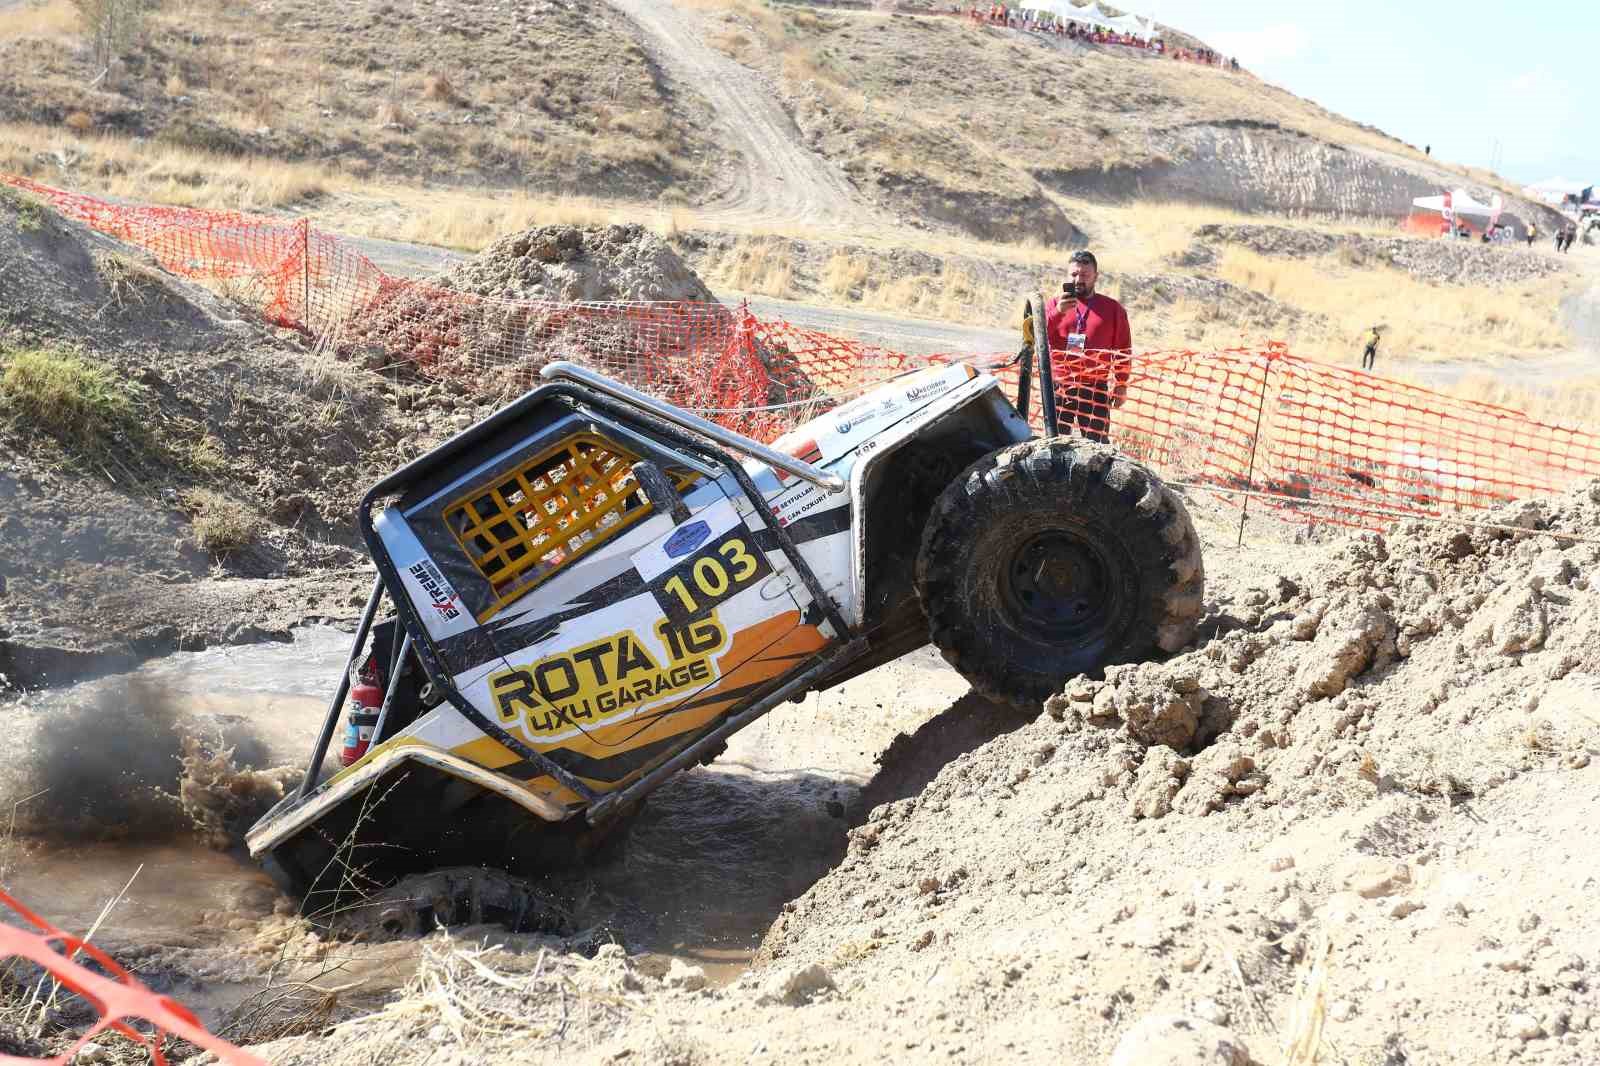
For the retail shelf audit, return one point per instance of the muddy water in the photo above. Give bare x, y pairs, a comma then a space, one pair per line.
705, 868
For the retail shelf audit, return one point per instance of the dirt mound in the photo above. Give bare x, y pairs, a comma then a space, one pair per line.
1450, 262
570, 264
1362, 794
431, 326
496, 320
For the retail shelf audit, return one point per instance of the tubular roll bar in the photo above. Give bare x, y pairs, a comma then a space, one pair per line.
331, 723
618, 401
565, 371
1047, 383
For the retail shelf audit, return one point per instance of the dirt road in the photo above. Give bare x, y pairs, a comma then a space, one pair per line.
918, 336
781, 180
1581, 311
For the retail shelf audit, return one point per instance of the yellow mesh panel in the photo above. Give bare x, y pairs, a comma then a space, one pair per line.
551, 510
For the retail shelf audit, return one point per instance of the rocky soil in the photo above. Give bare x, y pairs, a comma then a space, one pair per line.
1442, 262
1350, 824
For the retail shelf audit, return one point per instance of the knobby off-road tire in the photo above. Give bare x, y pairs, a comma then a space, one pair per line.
1053, 558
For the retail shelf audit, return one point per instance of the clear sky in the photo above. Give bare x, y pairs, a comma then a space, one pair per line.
1511, 84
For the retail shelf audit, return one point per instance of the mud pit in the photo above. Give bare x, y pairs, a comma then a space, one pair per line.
699, 876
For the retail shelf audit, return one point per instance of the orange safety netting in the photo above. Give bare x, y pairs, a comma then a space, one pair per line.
1337, 444
120, 1000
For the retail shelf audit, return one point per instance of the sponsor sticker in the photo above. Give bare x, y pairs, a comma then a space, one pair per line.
665, 552
686, 539
606, 680
798, 504
436, 601
440, 595
851, 426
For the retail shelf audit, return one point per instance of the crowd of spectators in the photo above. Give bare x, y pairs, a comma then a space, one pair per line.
1044, 22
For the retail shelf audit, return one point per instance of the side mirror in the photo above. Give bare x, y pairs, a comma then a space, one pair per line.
660, 491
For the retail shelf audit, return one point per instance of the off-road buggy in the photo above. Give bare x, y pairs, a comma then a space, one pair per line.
593, 590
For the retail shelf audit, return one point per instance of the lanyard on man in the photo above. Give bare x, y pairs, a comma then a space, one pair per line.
1078, 339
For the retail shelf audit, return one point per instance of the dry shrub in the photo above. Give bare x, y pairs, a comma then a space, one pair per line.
128, 282
393, 115
175, 85
79, 122
437, 87
221, 523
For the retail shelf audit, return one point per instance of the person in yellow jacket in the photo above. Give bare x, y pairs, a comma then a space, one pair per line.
1370, 355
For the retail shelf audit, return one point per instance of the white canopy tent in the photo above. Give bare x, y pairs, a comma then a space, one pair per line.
1457, 207
1129, 23
1065, 10
1460, 202
1093, 15
1556, 190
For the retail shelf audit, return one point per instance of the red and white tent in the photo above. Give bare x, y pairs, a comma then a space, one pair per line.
1430, 214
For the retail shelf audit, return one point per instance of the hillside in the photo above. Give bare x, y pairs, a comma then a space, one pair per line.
945, 119
905, 162
938, 123
458, 93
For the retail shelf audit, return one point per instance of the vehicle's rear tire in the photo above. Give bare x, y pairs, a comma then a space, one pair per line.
1054, 558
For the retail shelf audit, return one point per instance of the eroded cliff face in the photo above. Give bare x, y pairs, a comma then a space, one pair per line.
1264, 168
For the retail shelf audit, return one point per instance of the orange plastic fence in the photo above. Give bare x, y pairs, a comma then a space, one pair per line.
120, 1000
1328, 443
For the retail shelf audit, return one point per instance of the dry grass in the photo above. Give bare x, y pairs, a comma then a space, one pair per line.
1575, 401
1303, 1043
158, 172
221, 524
1145, 236
57, 18
952, 296
1422, 321
757, 265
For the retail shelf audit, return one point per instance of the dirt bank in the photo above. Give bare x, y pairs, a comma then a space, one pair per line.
1352, 817
171, 474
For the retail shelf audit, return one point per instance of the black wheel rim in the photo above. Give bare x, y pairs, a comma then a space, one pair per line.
1060, 586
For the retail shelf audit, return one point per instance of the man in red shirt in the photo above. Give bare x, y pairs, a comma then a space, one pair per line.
1090, 347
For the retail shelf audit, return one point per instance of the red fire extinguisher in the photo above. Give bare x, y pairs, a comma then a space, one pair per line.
365, 701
